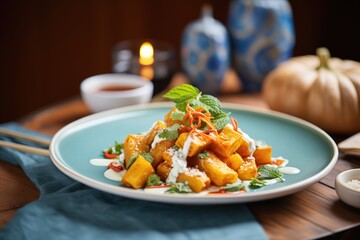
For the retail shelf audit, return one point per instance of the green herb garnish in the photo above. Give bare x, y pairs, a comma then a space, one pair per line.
115, 149
132, 160
175, 148
145, 155
257, 183
203, 155
179, 187
182, 94
188, 94
170, 133
153, 180
176, 115
221, 122
211, 103
267, 171
234, 187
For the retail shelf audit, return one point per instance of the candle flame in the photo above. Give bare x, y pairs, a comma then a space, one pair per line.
146, 54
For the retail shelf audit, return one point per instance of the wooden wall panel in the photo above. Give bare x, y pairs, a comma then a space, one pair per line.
48, 47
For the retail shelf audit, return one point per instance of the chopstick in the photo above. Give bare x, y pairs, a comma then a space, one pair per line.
25, 148
42, 141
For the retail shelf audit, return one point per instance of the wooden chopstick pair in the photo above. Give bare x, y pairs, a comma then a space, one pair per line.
24, 148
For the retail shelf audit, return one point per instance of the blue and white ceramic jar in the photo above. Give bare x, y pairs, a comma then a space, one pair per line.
205, 53
262, 34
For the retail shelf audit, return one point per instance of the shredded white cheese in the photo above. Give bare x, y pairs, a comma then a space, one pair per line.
354, 184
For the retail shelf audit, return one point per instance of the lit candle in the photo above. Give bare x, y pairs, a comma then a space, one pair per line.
151, 59
146, 60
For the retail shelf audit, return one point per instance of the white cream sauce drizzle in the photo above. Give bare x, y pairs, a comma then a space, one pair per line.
157, 190
179, 163
289, 170
267, 182
113, 175
282, 167
109, 173
271, 181
283, 164
101, 161
157, 139
251, 142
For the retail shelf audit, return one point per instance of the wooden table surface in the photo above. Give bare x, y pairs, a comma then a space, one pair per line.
313, 213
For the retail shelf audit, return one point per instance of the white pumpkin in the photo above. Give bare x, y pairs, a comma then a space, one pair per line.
319, 89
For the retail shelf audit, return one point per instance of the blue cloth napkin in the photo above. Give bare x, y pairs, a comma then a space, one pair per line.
68, 209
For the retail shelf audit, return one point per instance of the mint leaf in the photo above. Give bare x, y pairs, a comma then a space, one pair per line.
219, 118
267, 171
212, 104
181, 106
170, 133
182, 93
256, 183
221, 122
234, 187
187, 94
153, 180
179, 187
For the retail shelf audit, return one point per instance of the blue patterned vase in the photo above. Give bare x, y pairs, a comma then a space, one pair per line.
262, 34
205, 53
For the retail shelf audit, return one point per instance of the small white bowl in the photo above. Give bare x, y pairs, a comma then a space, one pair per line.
102, 92
344, 191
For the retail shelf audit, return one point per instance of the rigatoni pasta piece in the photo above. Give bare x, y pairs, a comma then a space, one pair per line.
234, 161
197, 180
244, 148
227, 142
136, 176
158, 151
163, 170
169, 121
248, 169
155, 129
198, 143
134, 144
262, 155
218, 172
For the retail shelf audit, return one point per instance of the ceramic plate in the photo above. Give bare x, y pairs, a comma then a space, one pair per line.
307, 148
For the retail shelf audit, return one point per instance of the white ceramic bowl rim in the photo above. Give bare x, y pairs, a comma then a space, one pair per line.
93, 83
348, 175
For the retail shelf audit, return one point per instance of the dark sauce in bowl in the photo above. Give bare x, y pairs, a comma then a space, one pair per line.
115, 88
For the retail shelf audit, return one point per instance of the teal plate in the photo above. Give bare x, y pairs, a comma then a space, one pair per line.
306, 146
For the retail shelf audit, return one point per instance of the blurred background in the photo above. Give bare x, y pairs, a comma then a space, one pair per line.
48, 47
